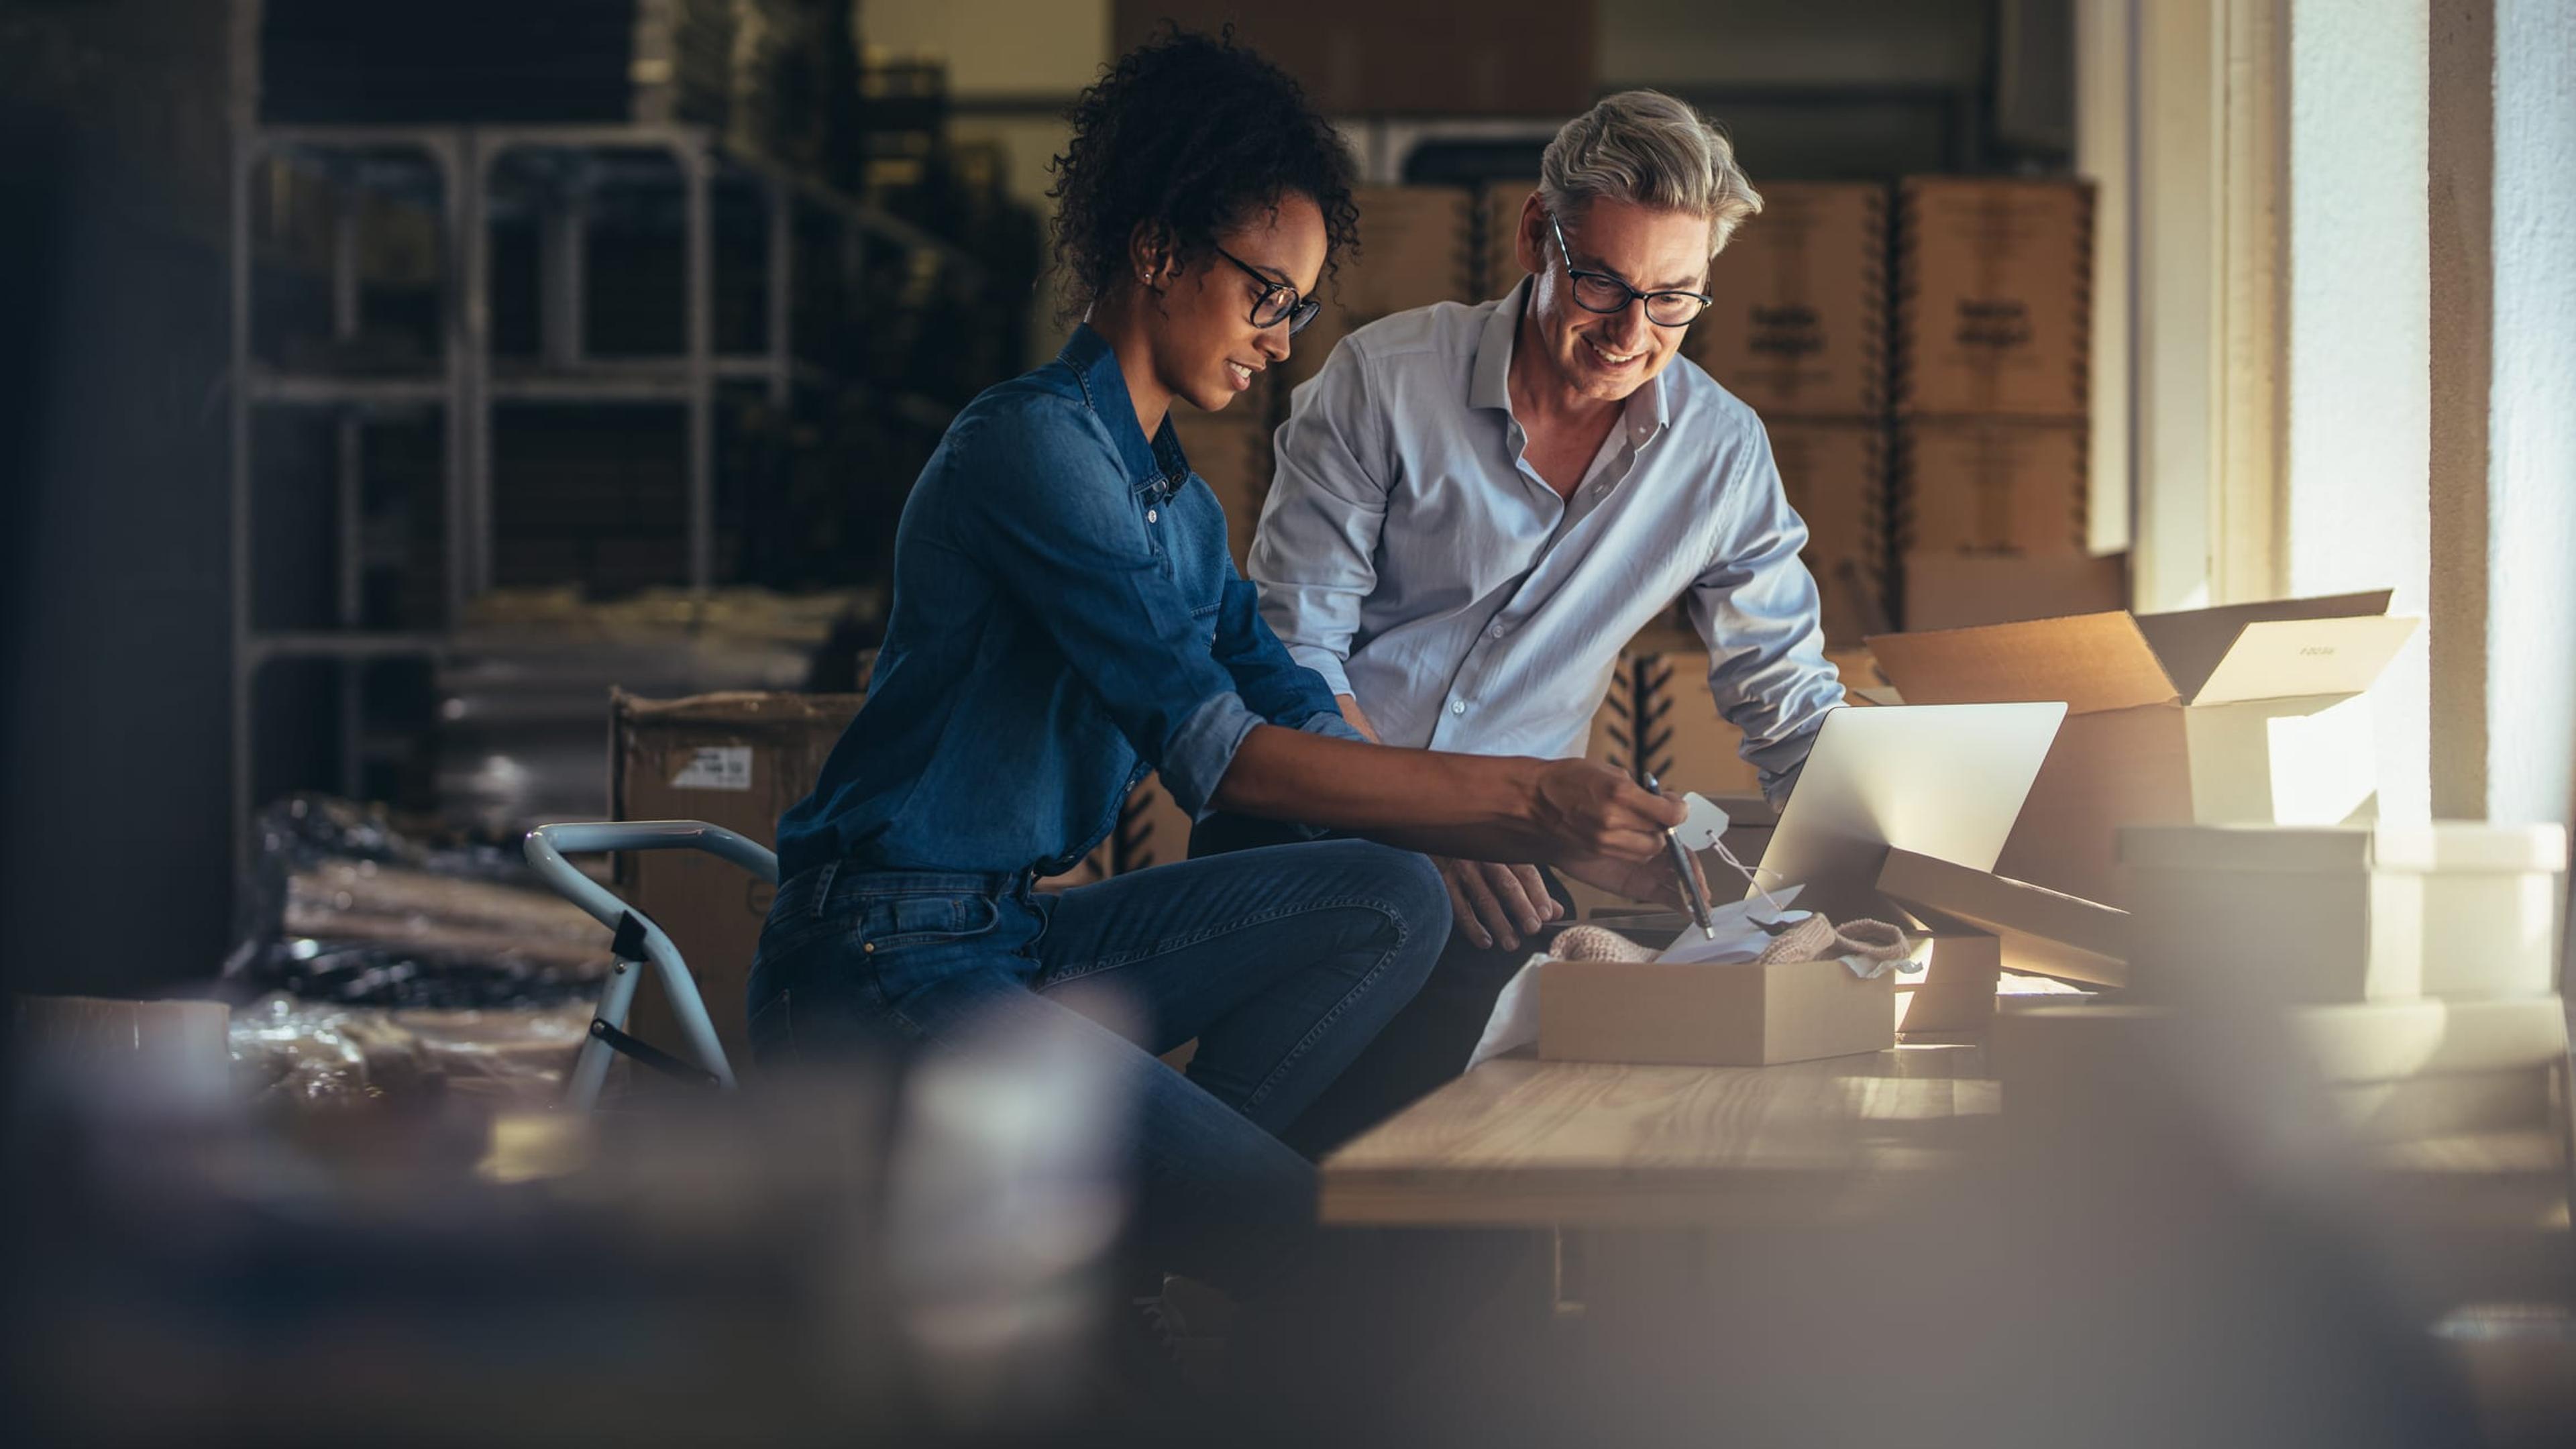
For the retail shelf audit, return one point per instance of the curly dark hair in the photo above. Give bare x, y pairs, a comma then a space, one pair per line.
1195, 132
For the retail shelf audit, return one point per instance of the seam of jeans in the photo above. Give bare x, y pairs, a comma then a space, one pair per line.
1232, 924
823, 889
1324, 1023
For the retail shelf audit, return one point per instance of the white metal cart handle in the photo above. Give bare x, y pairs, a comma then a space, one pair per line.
546, 847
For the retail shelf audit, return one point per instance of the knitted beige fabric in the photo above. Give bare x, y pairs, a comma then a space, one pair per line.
1597, 943
1813, 939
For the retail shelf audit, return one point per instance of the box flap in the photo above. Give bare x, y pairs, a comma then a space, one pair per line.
2093, 662
2043, 931
2295, 658
2190, 642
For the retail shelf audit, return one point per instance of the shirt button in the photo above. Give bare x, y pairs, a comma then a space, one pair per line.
1501, 629
1152, 514
1457, 706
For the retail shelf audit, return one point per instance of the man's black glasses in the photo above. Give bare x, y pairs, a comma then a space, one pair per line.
1603, 293
1278, 301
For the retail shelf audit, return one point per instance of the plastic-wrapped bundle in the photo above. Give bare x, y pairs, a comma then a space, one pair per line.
343, 906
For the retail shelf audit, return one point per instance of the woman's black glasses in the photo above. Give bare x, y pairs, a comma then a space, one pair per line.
1278, 301
1603, 293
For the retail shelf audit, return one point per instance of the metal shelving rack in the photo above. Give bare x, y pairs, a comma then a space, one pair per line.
466, 384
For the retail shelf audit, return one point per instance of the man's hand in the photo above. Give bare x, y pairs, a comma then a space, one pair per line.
1497, 905
1589, 809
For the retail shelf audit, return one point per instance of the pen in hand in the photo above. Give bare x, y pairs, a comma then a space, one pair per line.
1688, 879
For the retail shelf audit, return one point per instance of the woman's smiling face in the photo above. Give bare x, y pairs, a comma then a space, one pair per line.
1205, 346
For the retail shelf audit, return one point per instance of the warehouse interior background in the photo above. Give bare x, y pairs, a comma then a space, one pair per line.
384, 390
2276, 407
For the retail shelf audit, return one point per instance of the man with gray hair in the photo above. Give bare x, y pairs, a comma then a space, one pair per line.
1475, 508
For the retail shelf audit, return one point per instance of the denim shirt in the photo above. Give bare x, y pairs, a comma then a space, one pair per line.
1066, 618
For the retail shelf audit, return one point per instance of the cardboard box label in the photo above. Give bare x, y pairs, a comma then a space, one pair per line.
715, 767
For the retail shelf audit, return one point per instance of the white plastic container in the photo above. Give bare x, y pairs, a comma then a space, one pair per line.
2346, 913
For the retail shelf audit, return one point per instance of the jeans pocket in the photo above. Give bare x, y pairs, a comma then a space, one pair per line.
772, 1032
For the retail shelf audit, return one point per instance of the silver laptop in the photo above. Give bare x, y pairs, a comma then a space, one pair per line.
1944, 780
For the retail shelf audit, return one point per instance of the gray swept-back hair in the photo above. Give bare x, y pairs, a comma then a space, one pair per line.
1649, 149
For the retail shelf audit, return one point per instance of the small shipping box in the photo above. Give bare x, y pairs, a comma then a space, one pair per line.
1963, 590
2250, 713
1994, 287
735, 760
1799, 327
1987, 485
1711, 1015
2039, 932
1835, 476
2348, 913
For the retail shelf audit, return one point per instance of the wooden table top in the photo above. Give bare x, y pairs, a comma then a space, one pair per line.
1585, 1144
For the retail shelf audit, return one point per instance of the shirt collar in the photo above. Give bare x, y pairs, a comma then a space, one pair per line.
1157, 463
1489, 384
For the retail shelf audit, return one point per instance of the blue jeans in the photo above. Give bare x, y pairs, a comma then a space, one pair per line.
1282, 962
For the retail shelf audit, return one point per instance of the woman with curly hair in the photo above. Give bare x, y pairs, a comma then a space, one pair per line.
1065, 619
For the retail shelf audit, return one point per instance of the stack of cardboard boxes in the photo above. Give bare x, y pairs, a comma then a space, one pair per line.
1800, 331
1989, 381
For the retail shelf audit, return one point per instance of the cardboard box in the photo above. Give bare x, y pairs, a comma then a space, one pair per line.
1231, 450
1994, 284
1984, 485
1680, 736
1953, 992
1498, 235
184, 1046
1418, 246
1960, 591
1799, 327
1708, 1015
1835, 476
2038, 932
2228, 714
735, 760
2388, 1070
1152, 830
2350, 913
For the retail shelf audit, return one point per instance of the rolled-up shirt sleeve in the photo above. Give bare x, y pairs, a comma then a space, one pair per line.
1756, 608
1064, 537
1314, 556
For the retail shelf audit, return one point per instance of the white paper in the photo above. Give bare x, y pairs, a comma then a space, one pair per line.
1704, 826
1515, 1019
1739, 938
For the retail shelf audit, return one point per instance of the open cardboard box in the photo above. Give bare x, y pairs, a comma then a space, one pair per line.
1704, 1014
2248, 714
2042, 932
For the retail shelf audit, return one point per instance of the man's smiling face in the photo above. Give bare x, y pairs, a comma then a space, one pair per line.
1608, 357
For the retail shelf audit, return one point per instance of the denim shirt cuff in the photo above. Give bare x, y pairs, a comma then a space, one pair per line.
1325, 662
1203, 748
1331, 725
